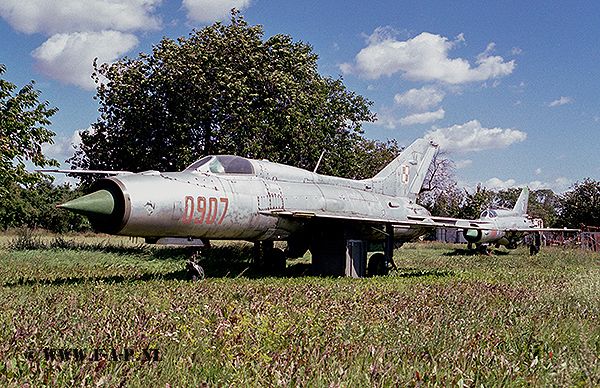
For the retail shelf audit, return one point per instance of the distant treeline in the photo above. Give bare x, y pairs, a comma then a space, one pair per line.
460, 203
35, 207
572, 209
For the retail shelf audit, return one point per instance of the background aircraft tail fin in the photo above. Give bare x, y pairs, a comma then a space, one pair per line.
404, 176
521, 205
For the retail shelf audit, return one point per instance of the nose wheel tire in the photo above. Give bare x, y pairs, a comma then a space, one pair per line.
194, 271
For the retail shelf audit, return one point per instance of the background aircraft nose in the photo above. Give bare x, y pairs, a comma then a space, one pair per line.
98, 203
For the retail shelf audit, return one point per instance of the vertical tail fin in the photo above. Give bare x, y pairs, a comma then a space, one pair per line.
521, 205
404, 176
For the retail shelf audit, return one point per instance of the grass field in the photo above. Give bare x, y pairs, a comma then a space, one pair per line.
101, 312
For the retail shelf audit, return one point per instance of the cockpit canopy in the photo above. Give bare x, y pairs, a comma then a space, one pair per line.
222, 164
489, 214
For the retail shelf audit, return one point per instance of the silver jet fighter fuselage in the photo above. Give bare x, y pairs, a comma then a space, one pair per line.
229, 197
505, 226
232, 198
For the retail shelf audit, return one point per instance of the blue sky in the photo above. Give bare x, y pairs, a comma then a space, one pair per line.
509, 88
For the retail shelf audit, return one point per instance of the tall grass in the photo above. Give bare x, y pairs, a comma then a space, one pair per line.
444, 318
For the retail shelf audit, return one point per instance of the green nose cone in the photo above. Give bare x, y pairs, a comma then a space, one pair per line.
98, 203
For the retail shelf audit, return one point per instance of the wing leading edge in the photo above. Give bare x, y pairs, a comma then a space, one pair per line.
416, 221
419, 221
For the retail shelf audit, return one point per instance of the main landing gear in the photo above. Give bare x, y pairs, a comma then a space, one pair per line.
194, 271
377, 265
268, 258
381, 263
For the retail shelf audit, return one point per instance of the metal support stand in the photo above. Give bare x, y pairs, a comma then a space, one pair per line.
356, 258
343, 257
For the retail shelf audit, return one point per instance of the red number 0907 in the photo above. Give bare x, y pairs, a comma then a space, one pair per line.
205, 209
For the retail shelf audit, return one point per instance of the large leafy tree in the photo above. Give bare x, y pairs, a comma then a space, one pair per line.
370, 157
476, 203
223, 90
544, 204
23, 130
581, 205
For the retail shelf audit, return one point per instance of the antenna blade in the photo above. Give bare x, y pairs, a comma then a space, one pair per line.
319, 162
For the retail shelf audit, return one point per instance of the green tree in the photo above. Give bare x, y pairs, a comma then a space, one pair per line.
448, 203
23, 122
370, 157
222, 90
544, 204
474, 204
580, 205
35, 207
506, 198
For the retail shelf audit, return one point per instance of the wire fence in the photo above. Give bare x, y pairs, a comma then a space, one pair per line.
587, 241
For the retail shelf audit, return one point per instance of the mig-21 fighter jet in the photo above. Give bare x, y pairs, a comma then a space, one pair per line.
226, 197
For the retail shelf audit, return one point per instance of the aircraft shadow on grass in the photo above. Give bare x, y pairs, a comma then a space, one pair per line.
227, 261
474, 252
418, 272
218, 262
231, 261
236, 270
297, 270
105, 279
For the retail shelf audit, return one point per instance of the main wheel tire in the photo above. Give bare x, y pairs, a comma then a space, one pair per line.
376, 266
194, 271
275, 261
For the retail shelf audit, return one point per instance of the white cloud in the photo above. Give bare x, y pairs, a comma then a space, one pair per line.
561, 101
421, 100
498, 184
516, 51
69, 57
80, 32
61, 149
559, 185
423, 58
208, 11
423, 118
473, 137
538, 171
536, 185
64, 146
463, 163
68, 16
